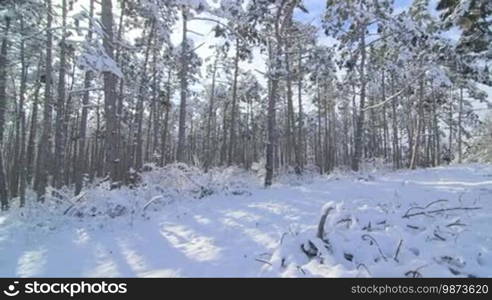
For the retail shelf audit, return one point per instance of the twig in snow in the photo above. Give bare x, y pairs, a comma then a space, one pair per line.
438, 236
416, 273
344, 220
398, 251
413, 274
456, 223
76, 199
365, 267
282, 238
427, 206
322, 221
439, 211
347, 221
263, 261
151, 201
301, 270
366, 236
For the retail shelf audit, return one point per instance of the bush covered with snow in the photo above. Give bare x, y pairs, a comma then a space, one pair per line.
387, 239
156, 188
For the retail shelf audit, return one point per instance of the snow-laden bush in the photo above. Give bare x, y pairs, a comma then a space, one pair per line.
362, 240
290, 177
480, 150
156, 189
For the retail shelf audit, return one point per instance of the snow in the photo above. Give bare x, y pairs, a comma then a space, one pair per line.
185, 223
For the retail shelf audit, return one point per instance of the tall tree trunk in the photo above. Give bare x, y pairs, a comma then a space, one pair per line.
358, 140
418, 130
140, 108
319, 144
167, 108
112, 151
437, 135
81, 160
396, 148
58, 167
232, 132
3, 102
22, 115
385, 120
460, 127
223, 147
211, 115
31, 141
300, 125
450, 135
181, 151
44, 157
68, 132
271, 123
291, 143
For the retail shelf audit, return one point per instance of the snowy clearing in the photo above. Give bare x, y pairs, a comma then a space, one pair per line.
247, 231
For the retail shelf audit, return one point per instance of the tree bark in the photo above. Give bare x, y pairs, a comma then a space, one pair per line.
460, 127
358, 140
58, 167
80, 169
181, 151
3, 102
44, 157
112, 150
232, 132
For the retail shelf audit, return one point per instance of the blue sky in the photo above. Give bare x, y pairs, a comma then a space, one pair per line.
316, 7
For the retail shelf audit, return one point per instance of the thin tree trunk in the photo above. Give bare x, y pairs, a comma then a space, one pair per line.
358, 140
167, 107
3, 102
180, 152
80, 168
300, 125
22, 116
112, 151
418, 129
437, 136
291, 143
140, 108
396, 148
271, 124
31, 142
58, 167
211, 115
44, 157
460, 129
232, 132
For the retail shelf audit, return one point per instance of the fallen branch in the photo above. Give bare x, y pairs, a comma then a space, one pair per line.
263, 261
365, 267
425, 207
439, 237
456, 223
398, 251
151, 201
439, 211
365, 237
74, 202
416, 273
299, 268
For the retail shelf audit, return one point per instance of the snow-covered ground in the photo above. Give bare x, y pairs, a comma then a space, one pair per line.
235, 227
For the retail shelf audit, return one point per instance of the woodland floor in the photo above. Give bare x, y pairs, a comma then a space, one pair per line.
224, 235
